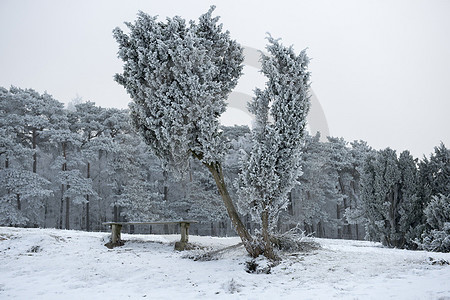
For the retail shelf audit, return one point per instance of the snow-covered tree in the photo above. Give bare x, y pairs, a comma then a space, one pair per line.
21, 186
87, 121
310, 197
271, 169
437, 237
432, 232
410, 208
68, 158
25, 114
434, 174
389, 197
179, 76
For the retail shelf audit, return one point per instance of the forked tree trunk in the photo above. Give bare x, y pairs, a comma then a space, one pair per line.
216, 170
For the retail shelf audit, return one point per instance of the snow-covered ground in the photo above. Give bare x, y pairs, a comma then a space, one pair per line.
60, 264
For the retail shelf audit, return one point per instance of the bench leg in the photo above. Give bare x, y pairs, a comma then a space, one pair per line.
184, 232
115, 233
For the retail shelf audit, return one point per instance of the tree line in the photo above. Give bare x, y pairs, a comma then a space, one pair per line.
77, 167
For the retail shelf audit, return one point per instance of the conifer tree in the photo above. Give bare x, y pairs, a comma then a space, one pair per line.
179, 76
271, 169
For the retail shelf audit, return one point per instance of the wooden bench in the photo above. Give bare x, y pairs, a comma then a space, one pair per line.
116, 227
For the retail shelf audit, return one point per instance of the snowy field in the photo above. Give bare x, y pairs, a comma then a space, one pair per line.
59, 264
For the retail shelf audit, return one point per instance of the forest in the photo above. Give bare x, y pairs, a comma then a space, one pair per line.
76, 167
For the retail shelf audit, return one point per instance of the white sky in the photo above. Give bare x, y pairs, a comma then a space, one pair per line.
380, 69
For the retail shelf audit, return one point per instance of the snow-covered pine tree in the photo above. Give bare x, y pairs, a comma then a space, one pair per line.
271, 169
25, 114
87, 121
179, 77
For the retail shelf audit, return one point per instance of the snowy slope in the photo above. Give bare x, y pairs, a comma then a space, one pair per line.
59, 264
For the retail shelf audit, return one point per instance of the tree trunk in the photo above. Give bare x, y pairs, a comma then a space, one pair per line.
45, 213
116, 214
19, 204
67, 212
290, 204
33, 142
216, 170
166, 188
61, 207
338, 217
87, 199
268, 248
64, 168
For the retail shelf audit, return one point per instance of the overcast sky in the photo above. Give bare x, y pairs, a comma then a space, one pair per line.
380, 69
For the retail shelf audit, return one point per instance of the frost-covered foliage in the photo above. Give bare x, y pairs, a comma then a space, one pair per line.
435, 175
24, 116
21, 200
271, 169
294, 240
179, 76
201, 200
142, 201
389, 196
437, 213
315, 185
77, 186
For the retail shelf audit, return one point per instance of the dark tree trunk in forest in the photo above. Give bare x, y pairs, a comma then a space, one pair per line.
216, 170
64, 168
290, 206
87, 199
61, 207
19, 204
33, 144
67, 225
338, 217
116, 214
166, 188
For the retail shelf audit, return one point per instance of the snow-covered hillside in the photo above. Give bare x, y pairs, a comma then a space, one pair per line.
59, 264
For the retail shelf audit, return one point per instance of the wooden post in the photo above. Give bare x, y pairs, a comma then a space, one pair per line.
115, 234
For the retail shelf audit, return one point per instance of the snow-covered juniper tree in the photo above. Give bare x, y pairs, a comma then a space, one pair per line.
271, 169
389, 196
179, 76
437, 237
